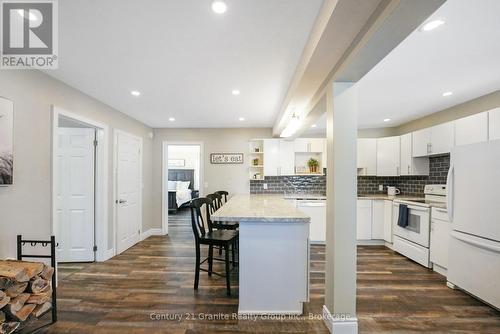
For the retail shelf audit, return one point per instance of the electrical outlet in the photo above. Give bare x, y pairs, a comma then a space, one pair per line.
380, 187
264, 186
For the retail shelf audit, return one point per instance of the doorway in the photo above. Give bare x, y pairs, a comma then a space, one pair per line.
182, 175
79, 188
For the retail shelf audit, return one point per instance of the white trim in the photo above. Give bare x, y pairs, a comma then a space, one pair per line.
340, 325
116, 132
151, 232
374, 242
101, 190
164, 176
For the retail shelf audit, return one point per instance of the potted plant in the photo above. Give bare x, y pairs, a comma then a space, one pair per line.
313, 165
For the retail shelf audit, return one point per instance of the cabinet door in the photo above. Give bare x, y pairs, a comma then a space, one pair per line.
364, 220
472, 129
301, 145
421, 140
271, 157
316, 145
494, 123
286, 158
442, 138
378, 220
388, 156
367, 156
388, 221
440, 239
406, 155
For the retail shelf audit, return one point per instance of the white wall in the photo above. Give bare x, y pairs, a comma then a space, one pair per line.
25, 207
233, 178
191, 156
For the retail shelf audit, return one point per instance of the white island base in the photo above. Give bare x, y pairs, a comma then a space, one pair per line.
274, 267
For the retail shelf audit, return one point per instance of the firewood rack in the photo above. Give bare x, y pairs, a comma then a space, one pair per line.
21, 256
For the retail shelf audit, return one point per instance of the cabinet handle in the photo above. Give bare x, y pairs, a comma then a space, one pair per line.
397, 170
409, 171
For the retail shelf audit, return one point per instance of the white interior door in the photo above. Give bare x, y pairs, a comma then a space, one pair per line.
128, 190
75, 195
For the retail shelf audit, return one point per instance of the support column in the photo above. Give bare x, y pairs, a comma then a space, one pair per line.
340, 276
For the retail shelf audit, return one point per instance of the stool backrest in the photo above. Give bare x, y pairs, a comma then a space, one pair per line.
214, 202
200, 216
223, 194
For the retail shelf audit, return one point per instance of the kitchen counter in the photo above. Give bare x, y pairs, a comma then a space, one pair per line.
273, 253
390, 198
305, 196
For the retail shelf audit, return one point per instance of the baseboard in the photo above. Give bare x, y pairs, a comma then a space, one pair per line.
151, 232
339, 325
370, 242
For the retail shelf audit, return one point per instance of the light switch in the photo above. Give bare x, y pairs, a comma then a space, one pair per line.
264, 186
380, 187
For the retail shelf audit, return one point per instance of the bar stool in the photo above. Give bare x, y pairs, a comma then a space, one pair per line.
217, 203
224, 239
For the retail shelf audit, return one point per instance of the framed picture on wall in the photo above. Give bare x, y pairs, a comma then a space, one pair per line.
6, 141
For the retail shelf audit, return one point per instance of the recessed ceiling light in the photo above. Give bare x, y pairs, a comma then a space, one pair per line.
387, 120
431, 25
171, 119
241, 119
135, 93
219, 7
447, 94
313, 126
235, 92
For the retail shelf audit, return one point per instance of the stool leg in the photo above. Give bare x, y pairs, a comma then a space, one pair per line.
228, 274
210, 259
197, 269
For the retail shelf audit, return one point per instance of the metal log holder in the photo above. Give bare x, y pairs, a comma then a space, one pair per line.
21, 256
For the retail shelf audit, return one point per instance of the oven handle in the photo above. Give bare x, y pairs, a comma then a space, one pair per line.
416, 208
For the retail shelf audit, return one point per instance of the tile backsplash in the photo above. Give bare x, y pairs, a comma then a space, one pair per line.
409, 185
316, 184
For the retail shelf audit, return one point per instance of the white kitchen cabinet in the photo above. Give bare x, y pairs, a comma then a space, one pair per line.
316, 209
388, 152
378, 219
367, 156
472, 129
421, 141
286, 158
271, 157
388, 221
278, 157
442, 138
364, 219
309, 145
494, 124
440, 238
410, 165
316, 145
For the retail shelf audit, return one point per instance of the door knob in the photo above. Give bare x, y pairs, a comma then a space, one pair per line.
122, 201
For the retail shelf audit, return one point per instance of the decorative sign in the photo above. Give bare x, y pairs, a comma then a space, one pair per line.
226, 158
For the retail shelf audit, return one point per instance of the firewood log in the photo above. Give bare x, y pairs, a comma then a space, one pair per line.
41, 309
8, 327
17, 303
15, 273
47, 272
2, 317
38, 285
4, 300
32, 268
22, 314
40, 298
5, 283
16, 289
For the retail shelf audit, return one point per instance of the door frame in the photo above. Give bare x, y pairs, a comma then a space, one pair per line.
101, 202
117, 132
164, 176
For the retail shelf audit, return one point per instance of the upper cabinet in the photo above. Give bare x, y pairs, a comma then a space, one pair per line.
367, 156
472, 129
494, 123
438, 139
309, 145
410, 165
287, 155
388, 156
271, 157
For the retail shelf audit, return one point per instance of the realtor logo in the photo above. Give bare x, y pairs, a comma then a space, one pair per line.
29, 34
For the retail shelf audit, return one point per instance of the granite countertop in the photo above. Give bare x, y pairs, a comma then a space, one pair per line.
390, 198
305, 196
260, 208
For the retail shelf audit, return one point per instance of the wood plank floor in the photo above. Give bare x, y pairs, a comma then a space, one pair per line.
156, 276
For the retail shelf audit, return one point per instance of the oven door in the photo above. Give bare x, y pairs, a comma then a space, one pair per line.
418, 227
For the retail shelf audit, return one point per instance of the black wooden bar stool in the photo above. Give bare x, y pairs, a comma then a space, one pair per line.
225, 239
217, 203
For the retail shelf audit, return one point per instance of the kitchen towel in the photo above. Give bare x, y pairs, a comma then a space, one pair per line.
403, 215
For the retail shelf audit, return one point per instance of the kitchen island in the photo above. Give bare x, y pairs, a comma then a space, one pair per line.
273, 253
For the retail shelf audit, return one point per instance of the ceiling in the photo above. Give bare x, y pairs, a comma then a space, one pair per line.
461, 56
184, 59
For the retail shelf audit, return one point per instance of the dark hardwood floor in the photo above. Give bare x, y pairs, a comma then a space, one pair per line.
156, 276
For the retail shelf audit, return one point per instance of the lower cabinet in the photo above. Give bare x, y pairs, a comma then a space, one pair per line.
374, 220
378, 214
364, 219
388, 221
440, 238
